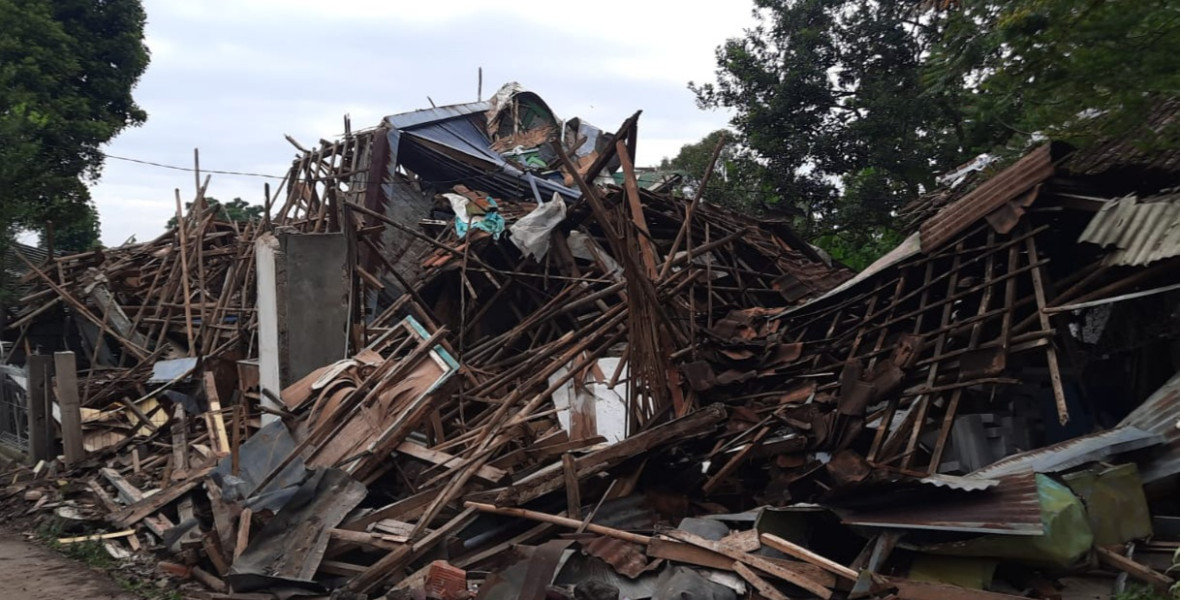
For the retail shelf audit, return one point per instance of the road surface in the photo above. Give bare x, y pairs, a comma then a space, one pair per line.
29, 572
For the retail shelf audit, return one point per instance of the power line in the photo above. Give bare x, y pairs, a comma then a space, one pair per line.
190, 169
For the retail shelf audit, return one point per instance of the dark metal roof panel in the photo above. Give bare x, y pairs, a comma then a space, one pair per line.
414, 119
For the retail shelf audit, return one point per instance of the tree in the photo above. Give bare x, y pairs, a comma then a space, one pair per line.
67, 68
829, 95
1075, 71
737, 180
854, 107
235, 210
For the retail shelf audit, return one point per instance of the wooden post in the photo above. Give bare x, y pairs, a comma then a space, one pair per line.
71, 409
40, 368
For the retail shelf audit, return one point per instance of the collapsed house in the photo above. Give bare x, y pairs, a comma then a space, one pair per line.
459, 358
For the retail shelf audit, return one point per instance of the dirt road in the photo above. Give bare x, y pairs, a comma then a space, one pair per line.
29, 572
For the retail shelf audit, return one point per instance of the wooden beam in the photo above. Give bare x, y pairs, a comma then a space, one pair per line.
1050, 350
647, 251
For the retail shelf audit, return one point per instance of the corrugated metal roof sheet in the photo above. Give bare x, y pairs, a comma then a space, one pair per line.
1026, 173
415, 118
1159, 414
1071, 453
1013, 507
1141, 231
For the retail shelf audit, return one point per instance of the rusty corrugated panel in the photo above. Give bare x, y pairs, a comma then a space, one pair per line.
1013, 507
1140, 231
1159, 414
1034, 168
627, 558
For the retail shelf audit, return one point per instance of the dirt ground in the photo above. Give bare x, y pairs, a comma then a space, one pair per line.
29, 572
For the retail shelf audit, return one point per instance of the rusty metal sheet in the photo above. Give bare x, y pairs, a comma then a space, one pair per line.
1013, 508
625, 557
847, 467
1005, 186
855, 396
984, 362
1139, 232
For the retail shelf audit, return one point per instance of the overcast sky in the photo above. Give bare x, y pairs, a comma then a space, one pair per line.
232, 76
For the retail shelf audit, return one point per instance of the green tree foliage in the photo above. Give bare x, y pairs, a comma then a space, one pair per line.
234, 210
738, 180
828, 93
854, 107
67, 68
1076, 71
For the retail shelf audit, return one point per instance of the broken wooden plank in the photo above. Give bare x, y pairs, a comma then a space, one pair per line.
368, 540
669, 549
559, 520
214, 553
243, 538
343, 569
690, 426
134, 513
806, 555
756, 561
128, 493
218, 438
764, 588
1137, 571
486, 473
222, 519
96, 536
908, 589
179, 442
103, 497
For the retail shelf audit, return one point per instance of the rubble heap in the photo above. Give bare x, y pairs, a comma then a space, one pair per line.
457, 360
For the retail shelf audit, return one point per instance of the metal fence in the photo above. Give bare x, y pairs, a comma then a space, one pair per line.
14, 417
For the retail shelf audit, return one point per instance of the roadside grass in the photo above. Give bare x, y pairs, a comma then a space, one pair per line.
93, 554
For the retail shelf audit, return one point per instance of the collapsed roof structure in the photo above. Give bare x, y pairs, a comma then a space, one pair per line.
456, 358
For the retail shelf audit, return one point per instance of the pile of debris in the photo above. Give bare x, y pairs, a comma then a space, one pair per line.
458, 360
